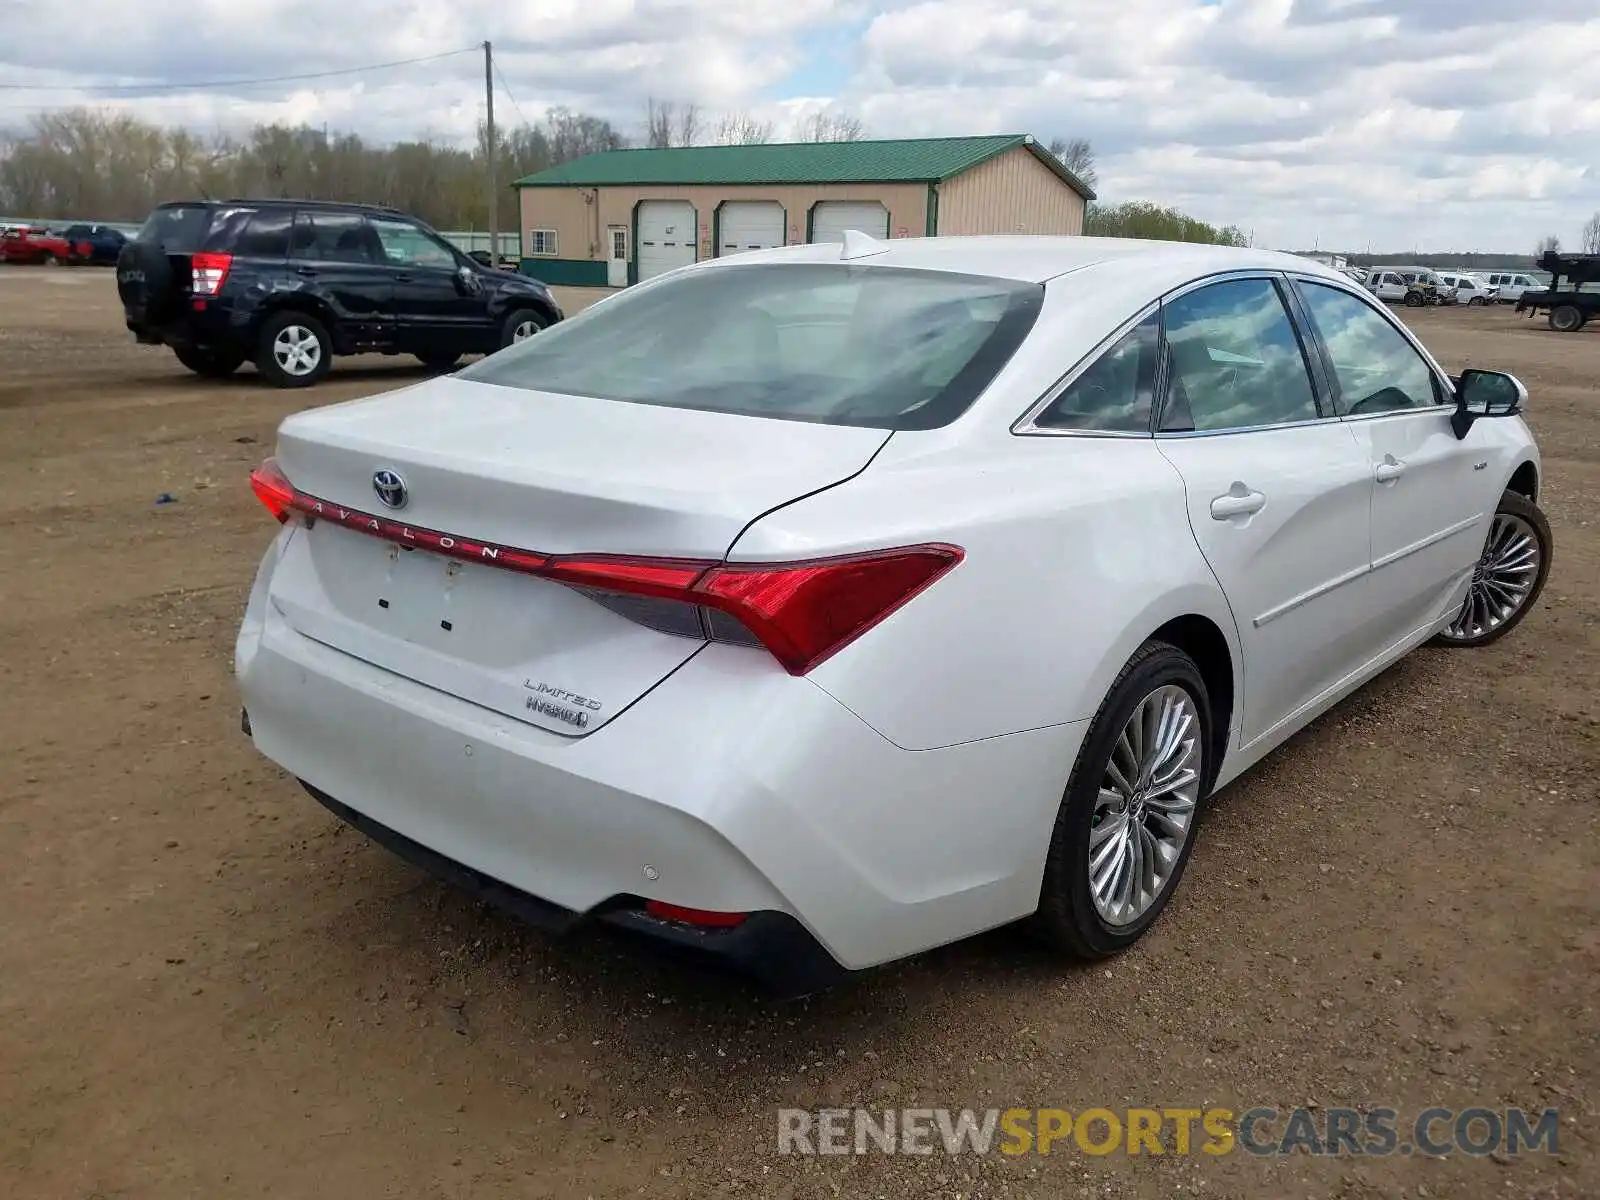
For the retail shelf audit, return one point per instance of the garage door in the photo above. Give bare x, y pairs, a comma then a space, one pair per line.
666, 236
749, 225
831, 218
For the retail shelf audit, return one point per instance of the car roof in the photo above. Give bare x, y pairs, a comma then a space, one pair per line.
279, 202
1035, 259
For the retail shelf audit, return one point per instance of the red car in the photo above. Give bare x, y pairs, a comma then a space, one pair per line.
33, 246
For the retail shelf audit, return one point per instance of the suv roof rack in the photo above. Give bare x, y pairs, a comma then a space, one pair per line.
298, 203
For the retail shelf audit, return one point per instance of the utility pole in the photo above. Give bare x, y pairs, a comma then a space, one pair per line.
488, 97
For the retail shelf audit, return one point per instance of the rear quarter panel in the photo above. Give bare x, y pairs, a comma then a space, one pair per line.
1077, 549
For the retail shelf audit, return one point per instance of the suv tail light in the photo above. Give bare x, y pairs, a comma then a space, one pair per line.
801, 612
207, 271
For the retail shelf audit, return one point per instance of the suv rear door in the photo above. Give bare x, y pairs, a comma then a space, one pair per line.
434, 312
335, 256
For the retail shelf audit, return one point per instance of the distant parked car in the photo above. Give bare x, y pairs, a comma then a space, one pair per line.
1510, 285
1399, 287
289, 284
33, 247
1469, 289
93, 245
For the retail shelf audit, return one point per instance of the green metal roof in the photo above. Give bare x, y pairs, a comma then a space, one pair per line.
918, 160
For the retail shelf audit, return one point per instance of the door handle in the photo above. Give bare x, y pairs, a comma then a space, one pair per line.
1237, 501
402, 277
1389, 469
305, 270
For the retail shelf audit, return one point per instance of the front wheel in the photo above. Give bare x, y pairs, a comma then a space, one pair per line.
50, 260
1476, 302
294, 350
1414, 300
1126, 824
520, 326
212, 364
1508, 577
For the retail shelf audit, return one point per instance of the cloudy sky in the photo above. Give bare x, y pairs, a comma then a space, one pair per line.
1399, 124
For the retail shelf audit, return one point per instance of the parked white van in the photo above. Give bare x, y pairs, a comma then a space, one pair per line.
1510, 285
1469, 289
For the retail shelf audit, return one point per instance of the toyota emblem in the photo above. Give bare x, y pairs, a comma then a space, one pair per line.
390, 487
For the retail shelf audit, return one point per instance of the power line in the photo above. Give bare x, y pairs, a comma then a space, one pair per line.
506, 87
147, 88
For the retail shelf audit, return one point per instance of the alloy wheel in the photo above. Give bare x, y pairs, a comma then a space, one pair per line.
1146, 807
1502, 580
296, 350
525, 329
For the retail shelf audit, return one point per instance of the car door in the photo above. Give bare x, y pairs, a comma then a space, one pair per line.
1430, 504
334, 256
434, 311
1278, 490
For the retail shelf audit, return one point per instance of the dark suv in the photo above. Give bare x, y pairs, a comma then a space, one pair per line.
288, 284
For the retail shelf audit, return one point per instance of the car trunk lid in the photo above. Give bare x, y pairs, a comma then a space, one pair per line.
492, 471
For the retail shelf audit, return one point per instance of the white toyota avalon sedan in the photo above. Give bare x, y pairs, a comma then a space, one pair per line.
812, 607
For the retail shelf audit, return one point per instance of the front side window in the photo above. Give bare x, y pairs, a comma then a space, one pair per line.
1234, 360
834, 343
406, 245
1116, 391
1375, 369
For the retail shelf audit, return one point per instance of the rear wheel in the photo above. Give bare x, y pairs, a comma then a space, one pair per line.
1126, 825
520, 326
50, 260
1567, 318
1508, 577
213, 364
294, 350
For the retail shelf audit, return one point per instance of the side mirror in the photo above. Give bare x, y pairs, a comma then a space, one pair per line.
1485, 394
469, 281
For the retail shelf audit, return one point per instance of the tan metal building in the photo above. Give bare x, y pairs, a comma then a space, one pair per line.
611, 219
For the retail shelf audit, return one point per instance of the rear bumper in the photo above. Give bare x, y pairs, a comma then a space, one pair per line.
771, 948
730, 787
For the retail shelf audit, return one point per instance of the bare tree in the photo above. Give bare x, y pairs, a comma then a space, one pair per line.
1077, 156
741, 129
825, 125
666, 124
1549, 243
1591, 234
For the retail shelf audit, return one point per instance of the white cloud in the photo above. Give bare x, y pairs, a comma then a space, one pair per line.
1418, 123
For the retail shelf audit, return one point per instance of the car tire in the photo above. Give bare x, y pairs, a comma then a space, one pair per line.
49, 260
1476, 302
1567, 318
1501, 594
1157, 681
439, 362
519, 326
293, 350
1414, 300
210, 363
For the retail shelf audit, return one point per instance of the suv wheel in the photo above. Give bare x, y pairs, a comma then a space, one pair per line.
520, 326
213, 364
294, 350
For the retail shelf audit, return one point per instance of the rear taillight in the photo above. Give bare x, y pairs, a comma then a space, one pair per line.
801, 612
704, 918
207, 271
273, 489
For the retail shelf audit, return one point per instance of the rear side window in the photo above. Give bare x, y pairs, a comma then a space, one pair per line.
180, 228
266, 234
834, 343
1116, 391
332, 237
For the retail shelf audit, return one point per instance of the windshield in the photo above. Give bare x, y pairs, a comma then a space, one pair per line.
834, 343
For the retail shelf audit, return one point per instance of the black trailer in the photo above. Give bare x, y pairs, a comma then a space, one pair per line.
1570, 306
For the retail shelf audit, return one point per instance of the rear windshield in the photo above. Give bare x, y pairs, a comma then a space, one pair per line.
180, 228
833, 343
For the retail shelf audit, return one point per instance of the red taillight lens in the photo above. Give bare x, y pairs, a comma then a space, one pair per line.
703, 917
272, 488
207, 271
802, 613
806, 612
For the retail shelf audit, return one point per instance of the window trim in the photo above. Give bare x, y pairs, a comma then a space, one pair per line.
1443, 386
1310, 353
554, 243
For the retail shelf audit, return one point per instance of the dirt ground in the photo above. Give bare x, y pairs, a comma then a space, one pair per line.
210, 988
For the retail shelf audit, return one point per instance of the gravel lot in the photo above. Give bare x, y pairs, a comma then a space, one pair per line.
209, 988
